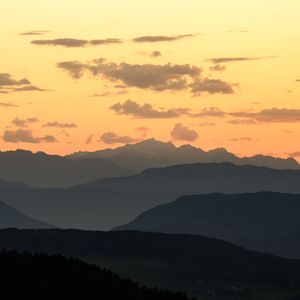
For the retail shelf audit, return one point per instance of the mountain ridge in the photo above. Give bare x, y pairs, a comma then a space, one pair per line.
258, 221
43, 170
12, 218
153, 153
107, 203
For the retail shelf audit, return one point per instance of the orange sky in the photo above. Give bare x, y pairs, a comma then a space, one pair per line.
211, 73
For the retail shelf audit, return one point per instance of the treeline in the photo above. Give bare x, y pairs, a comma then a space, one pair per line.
40, 276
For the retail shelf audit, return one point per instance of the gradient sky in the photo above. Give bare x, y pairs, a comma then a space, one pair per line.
211, 73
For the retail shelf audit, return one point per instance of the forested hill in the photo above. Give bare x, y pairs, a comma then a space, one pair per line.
36, 277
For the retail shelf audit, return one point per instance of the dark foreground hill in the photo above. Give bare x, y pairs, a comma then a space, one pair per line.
194, 264
36, 277
43, 170
262, 221
108, 203
11, 218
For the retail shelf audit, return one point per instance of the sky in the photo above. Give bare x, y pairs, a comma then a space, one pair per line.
84, 75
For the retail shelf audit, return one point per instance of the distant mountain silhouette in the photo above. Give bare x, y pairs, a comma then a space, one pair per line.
107, 203
43, 170
193, 264
152, 154
260, 221
11, 218
36, 277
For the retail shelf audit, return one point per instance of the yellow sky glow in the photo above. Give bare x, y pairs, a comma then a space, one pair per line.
267, 29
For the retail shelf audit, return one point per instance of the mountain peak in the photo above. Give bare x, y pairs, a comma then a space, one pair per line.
151, 145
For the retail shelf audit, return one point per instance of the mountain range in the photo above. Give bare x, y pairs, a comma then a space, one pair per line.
155, 154
107, 203
53, 171
43, 170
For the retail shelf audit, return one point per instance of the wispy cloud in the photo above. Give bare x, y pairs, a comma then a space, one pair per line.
8, 104
218, 68
29, 88
242, 139
35, 32
222, 60
273, 115
113, 138
161, 38
75, 43
56, 124
89, 139
109, 94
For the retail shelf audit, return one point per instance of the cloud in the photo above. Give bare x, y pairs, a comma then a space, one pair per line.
211, 86
218, 68
60, 125
205, 124
65, 133
147, 76
74, 68
105, 42
26, 136
183, 133
109, 94
294, 154
89, 139
8, 104
131, 108
273, 115
142, 130
243, 122
75, 43
147, 111
166, 77
222, 60
155, 54
113, 138
161, 38
65, 42
24, 122
29, 88
210, 112
6, 80
8, 84
242, 139
35, 32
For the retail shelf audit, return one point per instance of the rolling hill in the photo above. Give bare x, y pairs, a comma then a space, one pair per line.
107, 203
200, 266
35, 277
11, 218
262, 221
